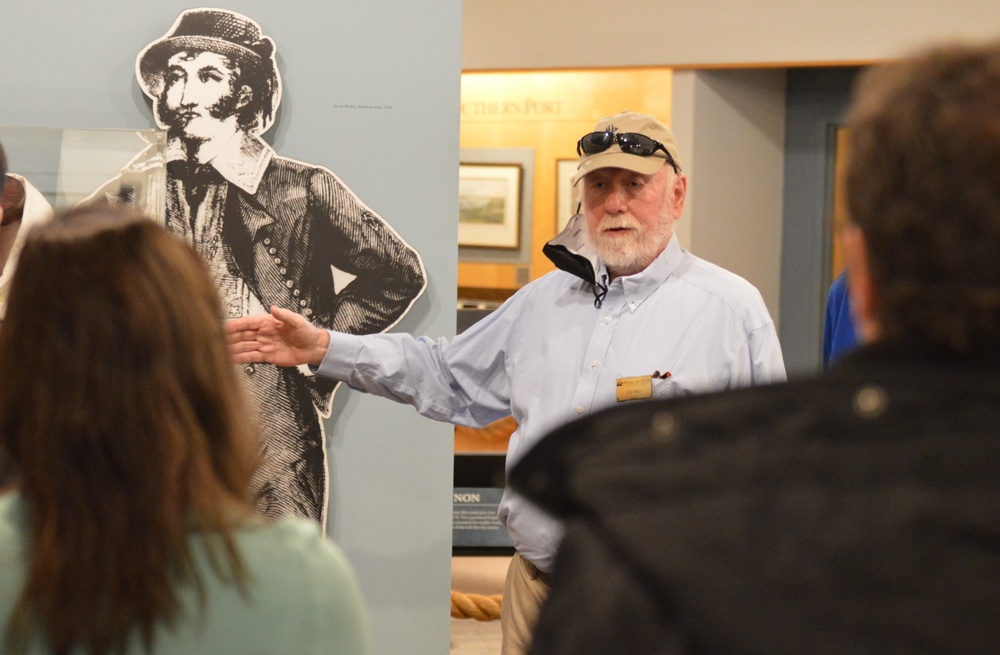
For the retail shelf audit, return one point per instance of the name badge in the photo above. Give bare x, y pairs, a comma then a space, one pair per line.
635, 388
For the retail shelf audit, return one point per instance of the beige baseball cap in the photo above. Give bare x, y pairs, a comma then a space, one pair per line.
613, 157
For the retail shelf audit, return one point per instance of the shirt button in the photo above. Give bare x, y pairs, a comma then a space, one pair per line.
289, 284
607, 319
579, 410
277, 260
282, 270
302, 303
267, 241
631, 307
593, 363
249, 369
308, 312
296, 293
272, 250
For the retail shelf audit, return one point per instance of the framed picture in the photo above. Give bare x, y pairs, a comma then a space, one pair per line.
567, 196
489, 205
495, 189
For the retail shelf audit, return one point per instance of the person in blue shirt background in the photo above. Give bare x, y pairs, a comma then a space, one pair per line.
838, 327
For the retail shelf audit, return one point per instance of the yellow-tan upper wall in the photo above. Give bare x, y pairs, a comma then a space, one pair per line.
540, 34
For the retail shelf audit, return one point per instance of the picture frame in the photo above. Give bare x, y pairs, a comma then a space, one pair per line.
519, 255
567, 196
489, 205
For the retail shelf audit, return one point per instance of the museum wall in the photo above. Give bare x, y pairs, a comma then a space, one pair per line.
525, 34
370, 91
730, 128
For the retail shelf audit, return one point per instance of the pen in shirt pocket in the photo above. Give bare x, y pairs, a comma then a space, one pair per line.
660, 376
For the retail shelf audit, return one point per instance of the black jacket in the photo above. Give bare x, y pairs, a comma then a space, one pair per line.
854, 513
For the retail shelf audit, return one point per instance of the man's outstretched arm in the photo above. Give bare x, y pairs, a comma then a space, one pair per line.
282, 338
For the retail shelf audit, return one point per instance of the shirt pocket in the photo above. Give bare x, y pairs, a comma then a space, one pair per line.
663, 389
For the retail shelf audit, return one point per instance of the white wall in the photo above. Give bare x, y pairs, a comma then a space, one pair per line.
533, 34
730, 129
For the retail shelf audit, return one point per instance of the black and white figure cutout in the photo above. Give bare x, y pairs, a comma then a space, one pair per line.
273, 230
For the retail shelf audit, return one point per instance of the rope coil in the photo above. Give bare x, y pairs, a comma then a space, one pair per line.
475, 606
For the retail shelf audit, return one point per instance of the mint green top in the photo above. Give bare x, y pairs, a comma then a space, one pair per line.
304, 599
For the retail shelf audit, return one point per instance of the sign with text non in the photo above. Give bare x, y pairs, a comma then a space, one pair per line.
474, 518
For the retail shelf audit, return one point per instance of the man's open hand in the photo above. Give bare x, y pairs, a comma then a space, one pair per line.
282, 338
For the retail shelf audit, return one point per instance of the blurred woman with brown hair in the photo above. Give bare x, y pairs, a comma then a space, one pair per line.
129, 528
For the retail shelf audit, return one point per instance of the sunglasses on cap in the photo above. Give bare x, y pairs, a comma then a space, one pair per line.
632, 143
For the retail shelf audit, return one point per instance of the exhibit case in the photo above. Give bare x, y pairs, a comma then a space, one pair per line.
69, 166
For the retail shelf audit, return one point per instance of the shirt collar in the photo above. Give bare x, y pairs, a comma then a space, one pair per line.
241, 160
639, 286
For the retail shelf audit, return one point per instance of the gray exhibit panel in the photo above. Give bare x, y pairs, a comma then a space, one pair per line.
370, 90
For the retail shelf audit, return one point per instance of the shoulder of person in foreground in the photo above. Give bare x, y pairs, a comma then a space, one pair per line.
727, 505
298, 573
13, 542
690, 440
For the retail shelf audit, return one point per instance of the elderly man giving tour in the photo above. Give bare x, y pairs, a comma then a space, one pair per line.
629, 316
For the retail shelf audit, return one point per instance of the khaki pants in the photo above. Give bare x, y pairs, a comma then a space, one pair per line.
524, 592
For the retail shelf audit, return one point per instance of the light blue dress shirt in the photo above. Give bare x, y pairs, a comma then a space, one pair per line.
548, 356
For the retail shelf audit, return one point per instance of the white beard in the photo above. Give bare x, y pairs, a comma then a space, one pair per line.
627, 255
